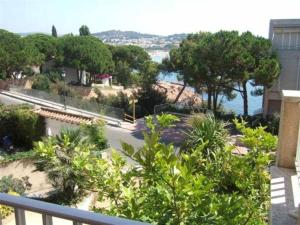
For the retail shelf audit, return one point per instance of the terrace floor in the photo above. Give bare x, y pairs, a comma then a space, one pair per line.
285, 196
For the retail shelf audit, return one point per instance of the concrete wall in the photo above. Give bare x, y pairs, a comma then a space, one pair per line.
26, 167
288, 129
54, 127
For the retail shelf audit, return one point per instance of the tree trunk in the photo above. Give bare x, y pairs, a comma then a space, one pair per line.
79, 76
41, 68
180, 93
209, 98
245, 98
215, 101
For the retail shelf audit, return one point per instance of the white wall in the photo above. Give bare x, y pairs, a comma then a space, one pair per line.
55, 126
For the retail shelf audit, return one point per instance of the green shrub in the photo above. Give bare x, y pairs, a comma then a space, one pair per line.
19, 122
147, 98
54, 75
60, 88
41, 82
120, 100
13, 186
94, 134
10, 184
67, 158
208, 131
16, 156
270, 122
167, 187
257, 137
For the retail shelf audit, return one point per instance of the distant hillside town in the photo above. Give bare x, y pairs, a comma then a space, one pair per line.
146, 41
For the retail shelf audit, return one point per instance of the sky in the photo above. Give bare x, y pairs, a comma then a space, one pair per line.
147, 16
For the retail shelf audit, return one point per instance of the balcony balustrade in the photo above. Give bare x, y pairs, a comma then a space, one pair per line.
48, 211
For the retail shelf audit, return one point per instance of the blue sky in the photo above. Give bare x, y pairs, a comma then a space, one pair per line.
148, 16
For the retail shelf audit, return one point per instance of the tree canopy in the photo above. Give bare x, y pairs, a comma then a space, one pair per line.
85, 53
46, 44
84, 30
54, 32
133, 65
16, 54
224, 62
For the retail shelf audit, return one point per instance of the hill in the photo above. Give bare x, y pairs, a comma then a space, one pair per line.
147, 41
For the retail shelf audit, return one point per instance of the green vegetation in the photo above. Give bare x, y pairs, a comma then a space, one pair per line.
208, 132
10, 184
94, 134
46, 44
133, 66
5, 158
23, 126
13, 186
190, 187
16, 54
204, 183
67, 159
223, 62
85, 53
41, 82
84, 31
146, 98
53, 31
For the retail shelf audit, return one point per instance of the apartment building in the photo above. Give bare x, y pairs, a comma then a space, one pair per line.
285, 37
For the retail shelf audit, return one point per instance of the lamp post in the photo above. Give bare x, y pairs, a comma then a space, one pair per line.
63, 75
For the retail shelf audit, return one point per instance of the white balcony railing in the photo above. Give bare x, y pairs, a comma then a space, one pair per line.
48, 210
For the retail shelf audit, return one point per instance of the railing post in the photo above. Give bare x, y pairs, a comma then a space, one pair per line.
47, 220
20, 216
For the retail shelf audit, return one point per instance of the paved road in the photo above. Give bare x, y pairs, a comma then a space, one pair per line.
115, 135
10, 101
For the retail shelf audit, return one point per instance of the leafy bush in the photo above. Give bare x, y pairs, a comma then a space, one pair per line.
207, 131
120, 100
60, 88
167, 187
54, 75
257, 137
13, 186
41, 82
272, 123
16, 156
19, 122
6, 210
147, 98
8, 184
67, 158
94, 134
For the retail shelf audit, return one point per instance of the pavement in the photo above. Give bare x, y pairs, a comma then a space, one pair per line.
131, 134
285, 196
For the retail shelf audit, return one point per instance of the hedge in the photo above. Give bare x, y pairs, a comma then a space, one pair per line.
21, 124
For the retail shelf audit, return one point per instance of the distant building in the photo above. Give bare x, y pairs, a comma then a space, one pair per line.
285, 37
105, 79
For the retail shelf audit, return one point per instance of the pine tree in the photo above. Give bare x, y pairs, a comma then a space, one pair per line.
54, 32
84, 30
